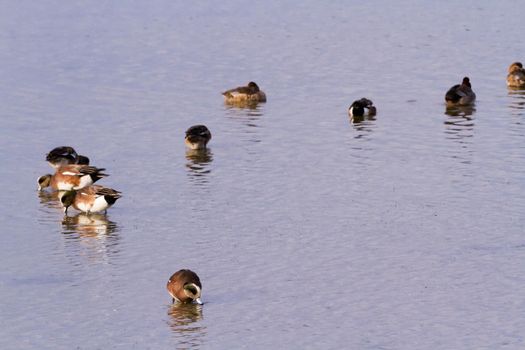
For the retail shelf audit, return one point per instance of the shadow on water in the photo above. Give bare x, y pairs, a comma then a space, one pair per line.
460, 111
248, 115
50, 209
97, 235
517, 102
199, 165
184, 322
363, 125
49, 199
459, 127
248, 108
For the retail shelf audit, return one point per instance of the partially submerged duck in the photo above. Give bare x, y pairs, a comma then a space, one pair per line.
516, 76
245, 94
460, 94
65, 155
91, 199
71, 177
362, 107
185, 286
197, 137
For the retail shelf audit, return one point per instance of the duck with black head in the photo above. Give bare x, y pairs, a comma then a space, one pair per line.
91, 199
361, 108
197, 137
460, 94
65, 155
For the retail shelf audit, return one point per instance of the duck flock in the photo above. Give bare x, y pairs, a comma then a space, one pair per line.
74, 178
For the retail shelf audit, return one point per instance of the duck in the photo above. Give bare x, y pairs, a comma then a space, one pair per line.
197, 137
90, 199
71, 177
357, 109
516, 76
185, 286
460, 94
65, 155
249, 93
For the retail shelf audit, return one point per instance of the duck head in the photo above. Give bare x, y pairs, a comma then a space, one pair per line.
67, 198
193, 291
254, 88
44, 181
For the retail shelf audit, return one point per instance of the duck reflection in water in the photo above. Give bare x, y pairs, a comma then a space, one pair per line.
517, 102
247, 105
363, 124
92, 237
460, 124
198, 164
459, 127
183, 321
460, 111
248, 113
88, 225
49, 199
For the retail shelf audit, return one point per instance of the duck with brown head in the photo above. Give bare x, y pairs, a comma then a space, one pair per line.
185, 286
516, 76
249, 93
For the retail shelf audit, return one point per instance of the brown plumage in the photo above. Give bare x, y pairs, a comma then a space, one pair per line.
249, 93
90, 199
516, 76
185, 287
71, 177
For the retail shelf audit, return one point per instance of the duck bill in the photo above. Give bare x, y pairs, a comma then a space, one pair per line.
198, 301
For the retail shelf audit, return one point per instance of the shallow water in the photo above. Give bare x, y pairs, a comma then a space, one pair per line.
403, 231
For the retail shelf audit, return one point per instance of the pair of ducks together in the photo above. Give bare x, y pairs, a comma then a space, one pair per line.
462, 94
457, 95
198, 136
74, 179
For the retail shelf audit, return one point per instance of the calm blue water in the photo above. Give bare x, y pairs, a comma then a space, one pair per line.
308, 231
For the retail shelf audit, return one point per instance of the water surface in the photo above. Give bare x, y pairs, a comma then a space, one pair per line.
308, 230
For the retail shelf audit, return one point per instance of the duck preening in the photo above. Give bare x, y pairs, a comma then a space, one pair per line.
197, 137
362, 107
65, 155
